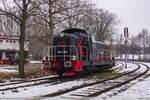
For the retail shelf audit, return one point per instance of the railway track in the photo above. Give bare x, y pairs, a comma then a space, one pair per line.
27, 83
96, 88
33, 82
118, 67
110, 84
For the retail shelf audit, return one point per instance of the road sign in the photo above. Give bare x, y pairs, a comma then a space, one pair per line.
126, 34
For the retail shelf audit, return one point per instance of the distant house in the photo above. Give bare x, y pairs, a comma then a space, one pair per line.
9, 47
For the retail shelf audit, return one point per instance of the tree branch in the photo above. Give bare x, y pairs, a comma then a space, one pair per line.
11, 15
17, 4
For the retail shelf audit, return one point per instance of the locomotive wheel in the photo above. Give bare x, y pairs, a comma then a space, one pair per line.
60, 71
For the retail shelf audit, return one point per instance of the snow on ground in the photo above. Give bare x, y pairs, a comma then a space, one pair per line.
35, 62
37, 91
7, 68
14, 68
130, 67
136, 89
133, 56
139, 90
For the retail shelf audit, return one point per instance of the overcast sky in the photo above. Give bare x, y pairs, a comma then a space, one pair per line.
134, 14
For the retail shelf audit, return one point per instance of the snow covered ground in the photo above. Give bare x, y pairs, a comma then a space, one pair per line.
14, 68
138, 89
133, 56
9, 69
35, 62
37, 91
141, 89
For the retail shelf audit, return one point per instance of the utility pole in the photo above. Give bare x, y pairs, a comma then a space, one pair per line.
126, 41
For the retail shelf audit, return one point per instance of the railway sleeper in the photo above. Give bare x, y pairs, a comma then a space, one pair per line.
115, 82
92, 90
83, 92
82, 95
95, 90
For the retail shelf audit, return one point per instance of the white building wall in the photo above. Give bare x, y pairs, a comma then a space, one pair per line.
11, 44
8, 45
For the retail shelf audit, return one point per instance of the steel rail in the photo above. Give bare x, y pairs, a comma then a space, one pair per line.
64, 91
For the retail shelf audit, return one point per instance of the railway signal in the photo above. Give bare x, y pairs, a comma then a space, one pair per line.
126, 35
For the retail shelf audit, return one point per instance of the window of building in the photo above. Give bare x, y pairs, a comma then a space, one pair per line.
10, 54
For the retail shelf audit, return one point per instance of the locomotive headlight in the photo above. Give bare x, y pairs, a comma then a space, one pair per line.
67, 64
101, 52
74, 57
62, 34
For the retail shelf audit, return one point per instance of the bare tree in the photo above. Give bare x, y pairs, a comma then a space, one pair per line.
19, 11
101, 22
73, 17
8, 26
56, 13
144, 35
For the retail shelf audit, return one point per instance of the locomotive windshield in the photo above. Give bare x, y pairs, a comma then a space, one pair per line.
76, 32
64, 40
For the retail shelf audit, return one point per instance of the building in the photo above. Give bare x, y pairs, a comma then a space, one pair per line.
9, 47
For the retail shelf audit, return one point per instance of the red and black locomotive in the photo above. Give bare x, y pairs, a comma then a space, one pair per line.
75, 51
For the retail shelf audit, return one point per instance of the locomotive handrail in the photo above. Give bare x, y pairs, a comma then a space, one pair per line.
50, 51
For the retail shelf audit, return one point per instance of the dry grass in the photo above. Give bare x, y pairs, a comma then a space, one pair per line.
33, 70
6, 75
